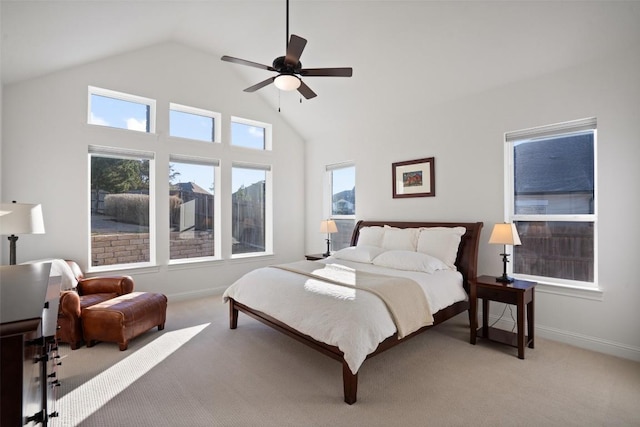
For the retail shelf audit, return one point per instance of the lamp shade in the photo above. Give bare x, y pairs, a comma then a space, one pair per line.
505, 234
328, 226
287, 82
21, 218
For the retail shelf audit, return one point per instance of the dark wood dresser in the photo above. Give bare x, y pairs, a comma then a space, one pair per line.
28, 310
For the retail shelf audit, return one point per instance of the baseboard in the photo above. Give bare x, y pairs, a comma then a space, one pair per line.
583, 341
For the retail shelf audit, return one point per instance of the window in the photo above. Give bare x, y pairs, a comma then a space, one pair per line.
341, 179
192, 219
250, 134
194, 123
122, 183
251, 209
121, 110
552, 201
122, 215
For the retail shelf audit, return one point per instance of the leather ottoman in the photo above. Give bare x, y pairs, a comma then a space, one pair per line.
123, 318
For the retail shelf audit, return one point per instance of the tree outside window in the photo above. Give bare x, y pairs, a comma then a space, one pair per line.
119, 210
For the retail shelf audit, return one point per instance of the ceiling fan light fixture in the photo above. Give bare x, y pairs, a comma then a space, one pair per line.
287, 82
289, 68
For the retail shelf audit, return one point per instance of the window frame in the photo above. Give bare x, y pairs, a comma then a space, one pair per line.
124, 153
328, 193
268, 129
173, 149
545, 132
268, 208
127, 97
217, 121
217, 208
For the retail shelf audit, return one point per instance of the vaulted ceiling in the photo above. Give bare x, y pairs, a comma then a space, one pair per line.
431, 51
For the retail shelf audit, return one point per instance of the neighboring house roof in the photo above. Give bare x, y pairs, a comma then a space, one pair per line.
348, 195
191, 187
559, 165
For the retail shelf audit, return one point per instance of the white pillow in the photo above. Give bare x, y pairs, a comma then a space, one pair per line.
409, 260
59, 267
402, 239
360, 253
441, 242
371, 236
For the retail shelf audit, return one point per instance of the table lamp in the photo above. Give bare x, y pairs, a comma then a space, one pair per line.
504, 234
328, 226
19, 218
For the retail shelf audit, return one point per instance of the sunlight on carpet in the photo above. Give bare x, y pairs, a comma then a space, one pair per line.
79, 404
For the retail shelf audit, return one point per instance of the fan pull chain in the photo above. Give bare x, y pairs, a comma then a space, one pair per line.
279, 94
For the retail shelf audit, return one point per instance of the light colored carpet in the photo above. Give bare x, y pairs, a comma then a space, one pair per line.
198, 372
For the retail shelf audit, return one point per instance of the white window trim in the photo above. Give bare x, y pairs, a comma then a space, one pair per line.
580, 289
133, 154
327, 190
268, 128
123, 97
217, 208
268, 207
217, 120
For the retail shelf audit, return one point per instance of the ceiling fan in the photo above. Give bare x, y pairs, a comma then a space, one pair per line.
289, 68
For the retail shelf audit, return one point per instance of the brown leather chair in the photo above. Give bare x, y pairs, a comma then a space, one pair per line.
90, 291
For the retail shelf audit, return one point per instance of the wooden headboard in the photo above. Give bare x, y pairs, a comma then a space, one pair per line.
467, 260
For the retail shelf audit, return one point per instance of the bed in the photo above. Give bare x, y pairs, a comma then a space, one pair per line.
314, 308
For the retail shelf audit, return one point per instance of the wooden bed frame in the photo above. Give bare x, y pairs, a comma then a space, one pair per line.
466, 262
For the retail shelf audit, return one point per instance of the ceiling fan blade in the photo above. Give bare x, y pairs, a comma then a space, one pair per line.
245, 62
306, 91
294, 50
260, 85
327, 72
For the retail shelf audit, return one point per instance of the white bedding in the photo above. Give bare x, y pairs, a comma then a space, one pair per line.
355, 321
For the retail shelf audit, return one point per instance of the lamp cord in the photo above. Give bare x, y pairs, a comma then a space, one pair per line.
513, 328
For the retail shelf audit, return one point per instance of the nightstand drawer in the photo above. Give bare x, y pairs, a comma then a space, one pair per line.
497, 295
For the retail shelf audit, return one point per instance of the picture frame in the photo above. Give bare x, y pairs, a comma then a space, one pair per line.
414, 178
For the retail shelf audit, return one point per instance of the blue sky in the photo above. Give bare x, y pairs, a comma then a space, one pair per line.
343, 179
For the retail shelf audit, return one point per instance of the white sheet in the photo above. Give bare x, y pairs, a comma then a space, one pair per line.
354, 321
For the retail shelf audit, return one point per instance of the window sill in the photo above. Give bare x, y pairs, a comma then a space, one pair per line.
192, 261
251, 256
124, 269
595, 294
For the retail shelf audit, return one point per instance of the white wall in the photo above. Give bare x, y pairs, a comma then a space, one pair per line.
44, 157
466, 138
44, 160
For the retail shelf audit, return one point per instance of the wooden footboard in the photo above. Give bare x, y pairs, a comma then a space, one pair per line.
349, 379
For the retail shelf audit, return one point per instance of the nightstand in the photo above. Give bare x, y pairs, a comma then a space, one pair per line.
314, 257
520, 293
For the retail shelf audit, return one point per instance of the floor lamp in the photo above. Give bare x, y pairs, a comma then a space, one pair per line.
19, 218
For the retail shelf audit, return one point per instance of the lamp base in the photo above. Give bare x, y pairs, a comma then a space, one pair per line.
12, 249
328, 253
505, 279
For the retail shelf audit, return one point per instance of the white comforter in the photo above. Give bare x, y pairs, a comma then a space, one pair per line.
355, 321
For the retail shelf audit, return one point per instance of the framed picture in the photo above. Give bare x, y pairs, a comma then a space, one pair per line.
414, 178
